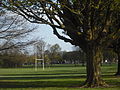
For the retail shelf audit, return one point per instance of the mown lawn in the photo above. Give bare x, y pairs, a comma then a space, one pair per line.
58, 77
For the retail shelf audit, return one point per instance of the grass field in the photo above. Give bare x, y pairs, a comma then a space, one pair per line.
59, 77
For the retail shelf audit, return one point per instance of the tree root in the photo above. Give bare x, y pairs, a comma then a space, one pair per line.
100, 84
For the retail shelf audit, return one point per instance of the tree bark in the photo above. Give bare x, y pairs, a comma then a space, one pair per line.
93, 55
118, 67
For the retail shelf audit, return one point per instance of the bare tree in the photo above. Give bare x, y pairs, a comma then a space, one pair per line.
13, 31
39, 48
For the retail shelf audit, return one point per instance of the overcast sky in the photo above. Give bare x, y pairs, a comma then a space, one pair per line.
45, 32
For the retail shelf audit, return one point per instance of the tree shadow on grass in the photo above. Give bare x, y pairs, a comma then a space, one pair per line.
41, 77
61, 80
40, 84
44, 84
114, 83
31, 81
40, 74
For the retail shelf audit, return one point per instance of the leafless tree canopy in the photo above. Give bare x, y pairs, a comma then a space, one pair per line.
12, 30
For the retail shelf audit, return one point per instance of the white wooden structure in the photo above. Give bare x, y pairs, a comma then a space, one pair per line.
39, 56
36, 63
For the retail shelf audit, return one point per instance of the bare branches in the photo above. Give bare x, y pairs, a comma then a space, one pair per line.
10, 45
83, 21
13, 28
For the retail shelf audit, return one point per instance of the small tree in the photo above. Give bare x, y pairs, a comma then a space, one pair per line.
80, 55
55, 53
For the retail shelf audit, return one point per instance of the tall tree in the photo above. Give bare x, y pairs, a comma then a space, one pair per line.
88, 23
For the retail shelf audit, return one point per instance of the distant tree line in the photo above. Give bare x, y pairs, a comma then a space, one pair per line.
52, 54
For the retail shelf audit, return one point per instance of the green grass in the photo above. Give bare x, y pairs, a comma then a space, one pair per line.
58, 77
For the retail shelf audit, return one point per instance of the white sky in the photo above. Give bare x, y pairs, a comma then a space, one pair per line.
45, 32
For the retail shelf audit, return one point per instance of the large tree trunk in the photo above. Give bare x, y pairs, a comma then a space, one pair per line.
118, 68
93, 55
